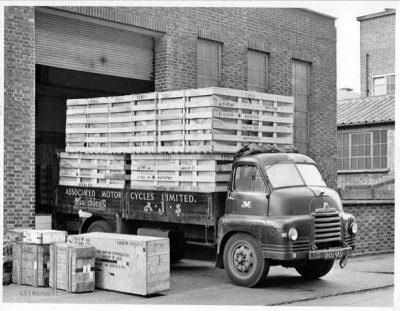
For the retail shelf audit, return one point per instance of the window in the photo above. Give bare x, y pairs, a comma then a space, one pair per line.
248, 178
362, 151
208, 63
293, 175
384, 85
300, 90
257, 71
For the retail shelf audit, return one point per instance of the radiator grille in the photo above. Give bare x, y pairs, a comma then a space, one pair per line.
327, 227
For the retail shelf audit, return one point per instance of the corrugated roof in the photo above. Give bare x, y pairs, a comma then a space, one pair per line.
369, 110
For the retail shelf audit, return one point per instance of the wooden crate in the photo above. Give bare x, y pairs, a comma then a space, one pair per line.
224, 120
44, 237
171, 121
112, 124
129, 263
185, 172
72, 267
93, 170
87, 124
30, 264
41, 236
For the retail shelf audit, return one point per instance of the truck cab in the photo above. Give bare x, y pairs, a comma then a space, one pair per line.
279, 211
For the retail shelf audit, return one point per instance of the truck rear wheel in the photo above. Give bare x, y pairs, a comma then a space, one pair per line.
244, 262
314, 269
99, 226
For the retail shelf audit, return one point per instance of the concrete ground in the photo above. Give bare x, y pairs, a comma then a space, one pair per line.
366, 281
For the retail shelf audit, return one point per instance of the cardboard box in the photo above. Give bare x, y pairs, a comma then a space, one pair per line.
129, 263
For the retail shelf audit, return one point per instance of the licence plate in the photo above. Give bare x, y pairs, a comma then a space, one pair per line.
334, 255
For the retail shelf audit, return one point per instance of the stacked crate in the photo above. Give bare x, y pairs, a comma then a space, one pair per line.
186, 172
104, 170
31, 255
121, 124
176, 140
219, 120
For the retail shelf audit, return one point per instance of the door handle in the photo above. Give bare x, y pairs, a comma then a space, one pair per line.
232, 199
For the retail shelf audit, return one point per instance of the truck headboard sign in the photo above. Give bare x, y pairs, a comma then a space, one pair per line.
98, 200
178, 207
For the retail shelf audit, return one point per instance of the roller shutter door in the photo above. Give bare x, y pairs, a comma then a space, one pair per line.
80, 45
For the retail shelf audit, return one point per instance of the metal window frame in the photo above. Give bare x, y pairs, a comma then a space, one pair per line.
219, 45
385, 84
308, 79
258, 86
340, 158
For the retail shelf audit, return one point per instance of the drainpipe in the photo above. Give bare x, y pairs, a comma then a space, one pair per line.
367, 73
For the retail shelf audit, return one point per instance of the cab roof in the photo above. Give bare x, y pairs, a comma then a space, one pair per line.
273, 158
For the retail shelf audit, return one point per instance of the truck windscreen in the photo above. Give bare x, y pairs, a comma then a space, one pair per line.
287, 175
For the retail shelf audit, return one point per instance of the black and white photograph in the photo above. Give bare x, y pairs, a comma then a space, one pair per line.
198, 154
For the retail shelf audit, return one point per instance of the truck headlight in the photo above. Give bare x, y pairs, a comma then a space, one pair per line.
292, 234
353, 228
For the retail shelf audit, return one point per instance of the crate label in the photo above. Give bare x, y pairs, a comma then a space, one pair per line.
251, 138
86, 268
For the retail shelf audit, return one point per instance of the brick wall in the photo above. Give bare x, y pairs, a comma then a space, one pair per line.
377, 36
376, 227
19, 117
285, 34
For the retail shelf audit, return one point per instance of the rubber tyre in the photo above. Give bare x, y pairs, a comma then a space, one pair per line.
314, 269
244, 261
99, 226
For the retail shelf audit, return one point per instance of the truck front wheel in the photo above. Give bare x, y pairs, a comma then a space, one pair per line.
244, 262
99, 226
314, 269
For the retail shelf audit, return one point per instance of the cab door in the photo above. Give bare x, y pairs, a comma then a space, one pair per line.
248, 193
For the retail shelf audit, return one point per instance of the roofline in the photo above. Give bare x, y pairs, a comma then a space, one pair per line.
376, 15
319, 13
341, 125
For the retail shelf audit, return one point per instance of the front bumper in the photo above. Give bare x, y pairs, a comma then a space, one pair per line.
331, 253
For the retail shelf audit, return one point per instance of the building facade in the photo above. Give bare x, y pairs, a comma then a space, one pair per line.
377, 53
52, 54
366, 138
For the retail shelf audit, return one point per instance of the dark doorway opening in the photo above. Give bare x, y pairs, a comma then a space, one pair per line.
53, 87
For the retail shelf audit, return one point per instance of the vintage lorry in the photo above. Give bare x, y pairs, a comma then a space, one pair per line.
277, 210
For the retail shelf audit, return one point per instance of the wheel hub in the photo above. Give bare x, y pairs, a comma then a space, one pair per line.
243, 258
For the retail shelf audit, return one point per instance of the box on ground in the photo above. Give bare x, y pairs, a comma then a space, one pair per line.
30, 264
42, 222
72, 267
129, 263
30, 235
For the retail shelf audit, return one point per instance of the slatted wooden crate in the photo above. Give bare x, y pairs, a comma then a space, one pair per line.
93, 170
30, 264
129, 263
185, 172
171, 121
72, 267
87, 124
224, 120
112, 124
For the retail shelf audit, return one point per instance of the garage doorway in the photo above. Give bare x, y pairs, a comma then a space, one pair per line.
79, 57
